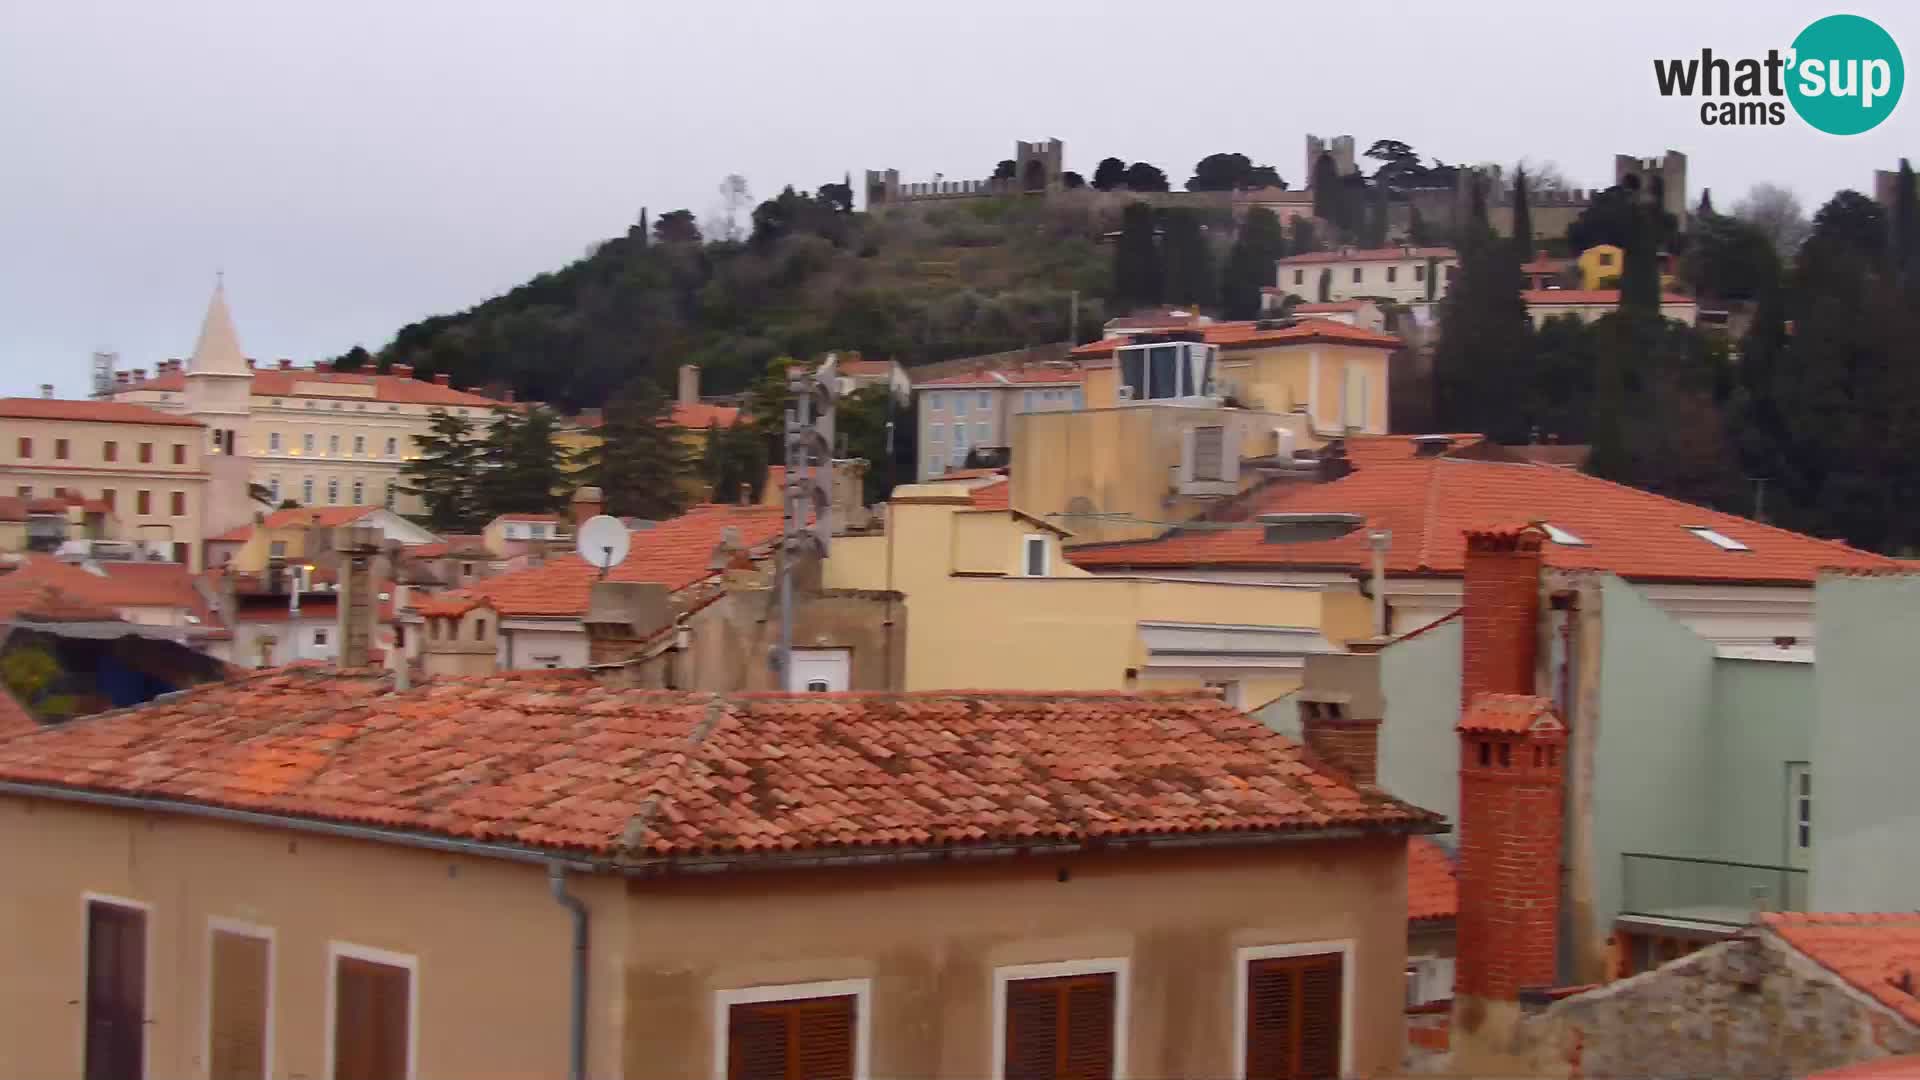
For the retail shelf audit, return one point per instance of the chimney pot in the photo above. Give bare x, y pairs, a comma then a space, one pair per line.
286, 364
323, 365
689, 384
442, 379
46, 390
250, 363
403, 371
587, 502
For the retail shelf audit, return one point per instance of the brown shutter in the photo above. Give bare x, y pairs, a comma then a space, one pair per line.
370, 1021
1293, 1018
1061, 1028
804, 1039
237, 1030
116, 992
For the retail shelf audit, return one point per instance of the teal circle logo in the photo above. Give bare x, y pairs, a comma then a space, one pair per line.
1846, 75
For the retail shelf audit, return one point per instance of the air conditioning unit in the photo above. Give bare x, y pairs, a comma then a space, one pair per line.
1123, 392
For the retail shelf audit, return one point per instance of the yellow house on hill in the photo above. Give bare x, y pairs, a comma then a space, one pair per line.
990, 601
1600, 267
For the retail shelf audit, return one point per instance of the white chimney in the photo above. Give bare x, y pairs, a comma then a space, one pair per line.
689, 384
46, 390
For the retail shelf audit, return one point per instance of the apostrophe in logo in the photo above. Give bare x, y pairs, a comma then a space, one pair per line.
1846, 75
1843, 75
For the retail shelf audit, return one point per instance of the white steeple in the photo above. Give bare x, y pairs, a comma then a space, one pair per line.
218, 351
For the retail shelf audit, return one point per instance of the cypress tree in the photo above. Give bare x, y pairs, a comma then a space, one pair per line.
1251, 264
1904, 221
1522, 218
1189, 261
1136, 258
1328, 191
1484, 354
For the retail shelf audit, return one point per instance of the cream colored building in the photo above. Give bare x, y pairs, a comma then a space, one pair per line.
1590, 304
147, 466
316, 436
962, 413
1401, 274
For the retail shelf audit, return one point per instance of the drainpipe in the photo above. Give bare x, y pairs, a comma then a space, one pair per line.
577, 1010
1379, 540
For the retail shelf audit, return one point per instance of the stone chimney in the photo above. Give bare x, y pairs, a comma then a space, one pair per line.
1341, 708
587, 502
459, 636
622, 616
1512, 792
357, 547
689, 384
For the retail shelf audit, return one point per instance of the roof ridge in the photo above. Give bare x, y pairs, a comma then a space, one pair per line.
633, 835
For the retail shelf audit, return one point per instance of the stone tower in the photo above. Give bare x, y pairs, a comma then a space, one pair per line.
1340, 146
219, 394
1037, 164
1670, 168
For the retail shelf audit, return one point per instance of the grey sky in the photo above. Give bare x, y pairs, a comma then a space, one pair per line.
353, 167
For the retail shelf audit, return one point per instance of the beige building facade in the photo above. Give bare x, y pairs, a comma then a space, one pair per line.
1401, 274
146, 466
962, 413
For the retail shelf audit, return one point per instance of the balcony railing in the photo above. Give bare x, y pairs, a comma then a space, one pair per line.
1707, 890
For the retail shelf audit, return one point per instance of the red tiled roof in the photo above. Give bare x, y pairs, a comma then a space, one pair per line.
1510, 714
1901, 1067
1248, 335
558, 761
996, 496
14, 717
1015, 377
552, 519
330, 517
93, 412
388, 389
1329, 306
1869, 952
674, 553
1545, 266
1388, 254
863, 367
450, 605
1432, 890
118, 585
239, 534
1429, 503
701, 415
1538, 297
450, 544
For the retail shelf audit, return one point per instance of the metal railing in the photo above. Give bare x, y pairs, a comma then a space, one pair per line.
1715, 891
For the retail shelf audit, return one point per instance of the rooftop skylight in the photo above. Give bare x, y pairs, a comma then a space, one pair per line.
1561, 536
1717, 539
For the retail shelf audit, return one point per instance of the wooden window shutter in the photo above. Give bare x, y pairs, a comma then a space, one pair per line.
116, 1001
237, 1027
1293, 1018
1060, 1029
805, 1039
370, 1020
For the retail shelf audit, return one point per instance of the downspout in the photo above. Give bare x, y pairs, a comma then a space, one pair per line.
577, 1007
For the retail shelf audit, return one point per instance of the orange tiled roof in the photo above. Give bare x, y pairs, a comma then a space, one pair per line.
557, 761
1588, 296
450, 605
702, 415
552, 519
389, 389
995, 496
1319, 308
1248, 335
1510, 714
93, 412
1429, 503
14, 717
1868, 952
239, 534
1902, 1067
674, 553
1014, 377
322, 516
450, 544
1432, 889
1386, 254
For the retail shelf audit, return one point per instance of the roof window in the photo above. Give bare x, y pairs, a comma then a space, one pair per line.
1561, 536
1717, 539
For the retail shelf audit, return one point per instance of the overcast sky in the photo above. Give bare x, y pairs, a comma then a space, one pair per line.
353, 167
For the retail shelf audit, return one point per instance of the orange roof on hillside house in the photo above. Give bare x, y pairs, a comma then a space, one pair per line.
1249, 335
675, 553
389, 389
92, 412
1429, 502
1386, 254
326, 517
696, 415
1433, 891
1328, 307
550, 519
1018, 377
556, 761
995, 496
1872, 953
1538, 297
859, 367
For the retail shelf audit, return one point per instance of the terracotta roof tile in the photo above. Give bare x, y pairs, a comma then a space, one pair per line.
557, 761
1248, 335
675, 553
1012, 377
239, 534
1432, 889
388, 389
1870, 952
450, 605
93, 412
14, 717
1428, 503
1386, 254
1510, 714
701, 415
321, 516
995, 496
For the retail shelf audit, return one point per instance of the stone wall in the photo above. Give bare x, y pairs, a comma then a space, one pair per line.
1749, 1007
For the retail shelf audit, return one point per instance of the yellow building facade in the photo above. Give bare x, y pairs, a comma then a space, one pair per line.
991, 602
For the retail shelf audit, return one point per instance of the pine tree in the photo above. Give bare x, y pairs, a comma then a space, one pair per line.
1189, 261
1136, 258
1522, 218
1328, 192
446, 474
1251, 264
1706, 203
639, 464
524, 471
1640, 264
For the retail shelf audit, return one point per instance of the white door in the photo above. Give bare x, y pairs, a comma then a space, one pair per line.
820, 671
1799, 815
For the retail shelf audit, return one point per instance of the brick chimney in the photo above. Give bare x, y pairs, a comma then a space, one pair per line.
689, 384
1340, 712
587, 502
323, 365
403, 371
443, 379
1512, 790
357, 546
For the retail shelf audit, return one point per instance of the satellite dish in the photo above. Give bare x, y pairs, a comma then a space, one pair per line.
602, 541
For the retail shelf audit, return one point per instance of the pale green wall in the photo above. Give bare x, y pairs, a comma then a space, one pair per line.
1419, 750
1654, 753
1866, 745
1762, 719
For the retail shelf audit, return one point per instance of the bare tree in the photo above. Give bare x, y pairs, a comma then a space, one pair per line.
734, 198
1542, 176
1776, 212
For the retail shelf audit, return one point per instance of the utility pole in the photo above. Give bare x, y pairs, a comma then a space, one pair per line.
1073, 320
808, 446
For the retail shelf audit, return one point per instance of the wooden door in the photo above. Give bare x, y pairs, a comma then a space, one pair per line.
370, 1031
1293, 1018
800, 1039
237, 1004
116, 992
1060, 1028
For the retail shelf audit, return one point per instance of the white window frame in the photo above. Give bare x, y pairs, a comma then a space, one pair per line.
220, 925
1244, 957
336, 951
861, 990
273, 441
1119, 967
1026, 549
87, 899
